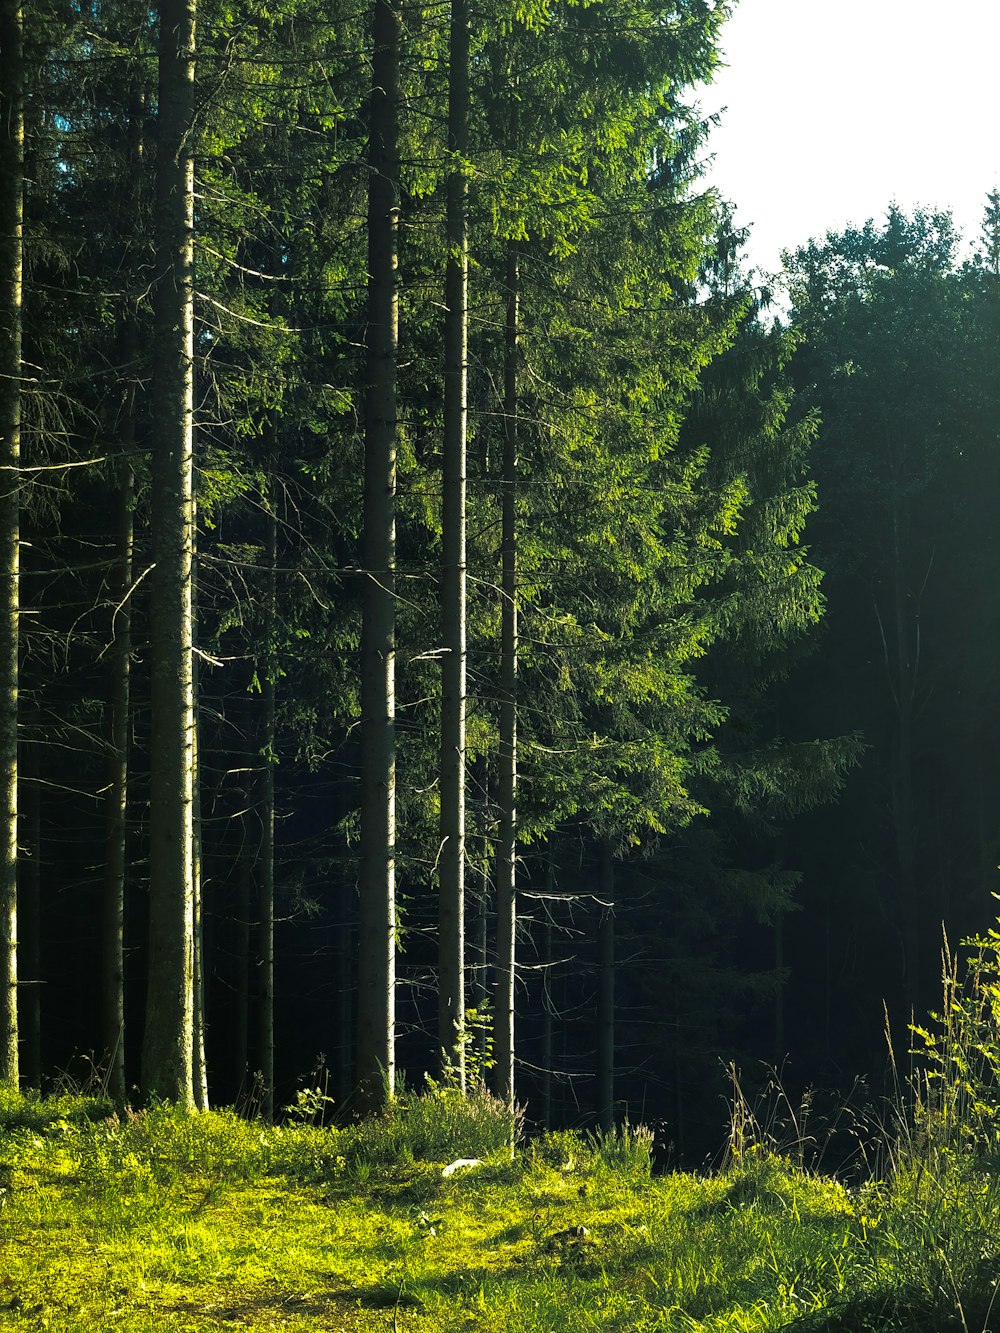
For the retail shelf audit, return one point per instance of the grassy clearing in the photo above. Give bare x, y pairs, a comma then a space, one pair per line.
155, 1221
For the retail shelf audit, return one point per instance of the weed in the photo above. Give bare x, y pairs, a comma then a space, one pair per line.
438, 1125
627, 1150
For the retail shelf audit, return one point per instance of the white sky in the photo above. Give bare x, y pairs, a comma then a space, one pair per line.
837, 107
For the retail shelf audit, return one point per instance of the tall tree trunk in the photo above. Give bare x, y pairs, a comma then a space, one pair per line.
343, 1071
265, 866
451, 915
11, 269
120, 654
241, 966
240, 948
606, 994
902, 795
548, 1015
503, 1046
168, 1040
377, 879
779, 989
29, 917
113, 927
199, 1064
480, 951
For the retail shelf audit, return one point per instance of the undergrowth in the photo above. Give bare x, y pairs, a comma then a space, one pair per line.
154, 1220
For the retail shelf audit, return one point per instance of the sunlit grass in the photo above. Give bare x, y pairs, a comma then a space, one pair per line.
161, 1222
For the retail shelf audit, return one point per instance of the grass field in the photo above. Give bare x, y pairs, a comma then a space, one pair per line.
157, 1221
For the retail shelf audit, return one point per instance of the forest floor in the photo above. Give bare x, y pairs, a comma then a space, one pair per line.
159, 1221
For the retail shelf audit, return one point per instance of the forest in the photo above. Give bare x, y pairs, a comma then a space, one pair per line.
458, 621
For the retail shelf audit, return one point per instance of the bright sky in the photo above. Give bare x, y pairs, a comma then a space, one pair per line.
837, 107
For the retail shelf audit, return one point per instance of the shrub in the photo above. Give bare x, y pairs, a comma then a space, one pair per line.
626, 1150
30, 1110
311, 1153
564, 1149
956, 1089
437, 1125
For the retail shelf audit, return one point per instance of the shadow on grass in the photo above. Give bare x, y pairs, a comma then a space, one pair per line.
347, 1305
975, 1310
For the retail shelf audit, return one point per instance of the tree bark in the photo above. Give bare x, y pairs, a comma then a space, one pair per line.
343, 1073
120, 653
113, 930
377, 873
265, 867
906, 666
29, 917
168, 1040
11, 272
779, 989
451, 914
480, 951
503, 1045
199, 1063
548, 1015
241, 964
606, 995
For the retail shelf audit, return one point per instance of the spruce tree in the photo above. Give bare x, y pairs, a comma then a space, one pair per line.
377, 942
11, 269
168, 1042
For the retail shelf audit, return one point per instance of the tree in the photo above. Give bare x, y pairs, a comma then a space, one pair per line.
887, 329
451, 921
124, 425
575, 202
11, 266
377, 938
506, 857
168, 1043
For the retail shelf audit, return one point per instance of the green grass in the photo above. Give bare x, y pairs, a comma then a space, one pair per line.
157, 1221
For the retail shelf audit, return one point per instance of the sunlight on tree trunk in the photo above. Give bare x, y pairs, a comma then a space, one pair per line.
29, 917
451, 915
11, 268
169, 1037
506, 872
377, 877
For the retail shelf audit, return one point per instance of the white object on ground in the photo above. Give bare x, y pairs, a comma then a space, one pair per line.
457, 1165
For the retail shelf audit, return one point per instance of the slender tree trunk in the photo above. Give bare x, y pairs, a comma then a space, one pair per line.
478, 925
377, 879
680, 1123
29, 916
606, 994
547, 1021
11, 269
113, 930
903, 805
120, 654
241, 988
343, 1070
169, 1039
199, 1064
480, 947
451, 916
265, 907
503, 1046
779, 989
